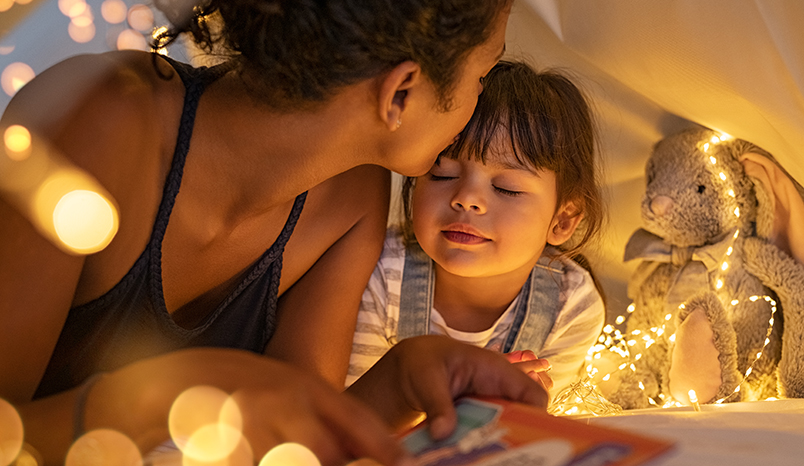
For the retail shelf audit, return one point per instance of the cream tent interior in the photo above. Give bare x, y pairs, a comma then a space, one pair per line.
653, 68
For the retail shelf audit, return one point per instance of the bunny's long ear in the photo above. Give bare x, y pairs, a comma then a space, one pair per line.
780, 213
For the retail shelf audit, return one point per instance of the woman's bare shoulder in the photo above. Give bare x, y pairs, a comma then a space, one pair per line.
102, 110
105, 80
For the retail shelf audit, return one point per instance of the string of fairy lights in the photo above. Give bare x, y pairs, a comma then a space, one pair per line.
584, 397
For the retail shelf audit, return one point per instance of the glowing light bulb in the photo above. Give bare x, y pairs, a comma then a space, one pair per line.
140, 17
11, 433
205, 424
85, 221
130, 39
694, 400
114, 11
713, 160
731, 193
619, 320
15, 76
722, 176
706, 147
719, 284
290, 454
103, 446
72, 8
17, 141
81, 32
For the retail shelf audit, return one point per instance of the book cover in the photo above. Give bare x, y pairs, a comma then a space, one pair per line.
494, 432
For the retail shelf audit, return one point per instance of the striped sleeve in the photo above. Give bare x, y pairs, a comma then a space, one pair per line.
576, 329
376, 328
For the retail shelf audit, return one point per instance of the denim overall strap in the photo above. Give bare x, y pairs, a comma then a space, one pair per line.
537, 308
416, 300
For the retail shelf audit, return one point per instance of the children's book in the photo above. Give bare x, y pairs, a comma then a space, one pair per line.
494, 432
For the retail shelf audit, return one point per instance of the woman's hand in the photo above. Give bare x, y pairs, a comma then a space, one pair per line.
278, 404
529, 363
426, 374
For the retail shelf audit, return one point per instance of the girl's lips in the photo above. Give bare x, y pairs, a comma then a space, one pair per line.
461, 237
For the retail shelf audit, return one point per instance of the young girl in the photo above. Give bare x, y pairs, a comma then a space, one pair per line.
482, 256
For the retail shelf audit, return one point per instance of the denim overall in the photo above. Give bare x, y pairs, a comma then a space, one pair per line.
534, 316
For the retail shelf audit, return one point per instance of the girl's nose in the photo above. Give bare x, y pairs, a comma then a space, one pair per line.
467, 200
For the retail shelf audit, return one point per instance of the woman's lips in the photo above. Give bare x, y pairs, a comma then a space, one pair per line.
462, 237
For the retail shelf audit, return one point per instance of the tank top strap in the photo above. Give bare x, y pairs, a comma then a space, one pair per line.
195, 82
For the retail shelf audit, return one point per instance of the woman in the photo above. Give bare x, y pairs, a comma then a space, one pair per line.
212, 170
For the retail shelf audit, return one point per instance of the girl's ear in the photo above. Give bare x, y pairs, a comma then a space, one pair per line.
564, 223
394, 90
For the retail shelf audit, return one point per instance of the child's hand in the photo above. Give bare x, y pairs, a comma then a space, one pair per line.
535, 368
427, 373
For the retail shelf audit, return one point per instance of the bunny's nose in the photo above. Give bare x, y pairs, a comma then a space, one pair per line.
660, 205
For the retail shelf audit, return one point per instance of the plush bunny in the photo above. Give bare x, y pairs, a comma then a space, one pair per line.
713, 283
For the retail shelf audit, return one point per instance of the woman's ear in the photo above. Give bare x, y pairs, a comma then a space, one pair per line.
394, 92
564, 223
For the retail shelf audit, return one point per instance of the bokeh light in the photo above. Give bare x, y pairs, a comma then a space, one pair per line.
131, 40
6, 49
6, 5
17, 141
11, 433
15, 76
73, 8
290, 454
85, 221
141, 18
114, 11
24, 2
205, 423
28, 457
81, 34
103, 447
84, 19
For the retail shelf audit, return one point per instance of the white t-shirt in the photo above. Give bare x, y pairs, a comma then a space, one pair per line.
576, 328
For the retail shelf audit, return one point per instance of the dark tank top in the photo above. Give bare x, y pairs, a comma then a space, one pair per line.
130, 322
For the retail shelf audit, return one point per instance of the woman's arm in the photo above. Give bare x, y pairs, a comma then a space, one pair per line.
278, 403
317, 315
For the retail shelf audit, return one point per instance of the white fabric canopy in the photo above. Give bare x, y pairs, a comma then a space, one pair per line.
655, 67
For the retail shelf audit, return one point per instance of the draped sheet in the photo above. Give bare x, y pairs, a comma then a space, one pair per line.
655, 67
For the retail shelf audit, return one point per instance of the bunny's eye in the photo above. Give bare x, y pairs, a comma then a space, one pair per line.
701, 189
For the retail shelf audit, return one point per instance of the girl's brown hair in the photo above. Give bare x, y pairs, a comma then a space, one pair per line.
548, 124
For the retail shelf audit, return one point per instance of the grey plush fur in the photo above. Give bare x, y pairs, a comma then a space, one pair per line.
701, 211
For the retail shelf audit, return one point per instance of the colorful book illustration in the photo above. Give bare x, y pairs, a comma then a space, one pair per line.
493, 432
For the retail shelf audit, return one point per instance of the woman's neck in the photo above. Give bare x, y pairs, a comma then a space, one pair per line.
473, 304
260, 158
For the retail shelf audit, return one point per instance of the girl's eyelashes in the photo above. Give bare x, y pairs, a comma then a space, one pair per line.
435, 177
507, 192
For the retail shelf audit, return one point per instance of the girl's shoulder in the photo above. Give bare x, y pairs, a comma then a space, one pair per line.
572, 274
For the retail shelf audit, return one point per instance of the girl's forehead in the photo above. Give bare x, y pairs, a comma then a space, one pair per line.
499, 156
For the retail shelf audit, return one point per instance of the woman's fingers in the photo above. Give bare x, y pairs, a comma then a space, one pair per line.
304, 410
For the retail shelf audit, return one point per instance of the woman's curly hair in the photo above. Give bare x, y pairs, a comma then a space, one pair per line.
300, 52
